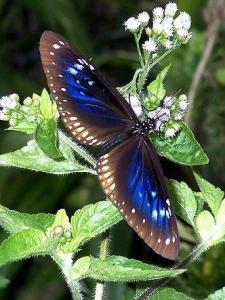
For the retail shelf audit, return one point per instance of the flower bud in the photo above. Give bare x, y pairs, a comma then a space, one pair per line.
170, 9
143, 18
15, 97
132, 25
183, 97
13, 122
68, 234
27, 101
148, 31
58, 230
158, 13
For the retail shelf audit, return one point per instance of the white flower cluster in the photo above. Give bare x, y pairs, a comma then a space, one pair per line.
133, 24
166, 27
8, 103
172, 108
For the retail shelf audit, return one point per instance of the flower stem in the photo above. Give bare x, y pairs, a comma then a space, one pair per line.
99, 290
65, 263
137, 40
148, 68
193, 256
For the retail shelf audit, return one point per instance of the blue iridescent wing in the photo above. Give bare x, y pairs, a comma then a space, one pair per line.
131, 176
92, 110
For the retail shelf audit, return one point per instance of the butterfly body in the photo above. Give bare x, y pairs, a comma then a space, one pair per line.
96, 114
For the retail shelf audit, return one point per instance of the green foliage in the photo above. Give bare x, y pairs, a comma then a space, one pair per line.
31, 157
46, 138
118, 268
35, 235
13, 221
46, 131
218, 295
184, 201
212, 195
169, 294
205, 224
156, 90
92, 220
26, 243
183, 148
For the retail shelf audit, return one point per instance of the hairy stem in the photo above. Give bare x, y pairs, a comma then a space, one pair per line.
65, 263
137, 40
78, 149
193, 256
99, 290
148, 68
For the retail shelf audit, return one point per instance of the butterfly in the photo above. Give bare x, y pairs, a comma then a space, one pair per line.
96, 114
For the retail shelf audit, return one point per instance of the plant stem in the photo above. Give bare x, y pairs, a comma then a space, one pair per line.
99, 290
78, 149
148, 68
137, 40
193, 256
65, 263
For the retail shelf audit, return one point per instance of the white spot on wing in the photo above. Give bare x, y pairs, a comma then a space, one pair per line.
167, 241
56, 46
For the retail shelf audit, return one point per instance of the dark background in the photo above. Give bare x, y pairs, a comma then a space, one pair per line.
95, 27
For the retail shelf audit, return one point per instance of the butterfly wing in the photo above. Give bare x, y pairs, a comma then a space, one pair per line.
131, 176
92, 110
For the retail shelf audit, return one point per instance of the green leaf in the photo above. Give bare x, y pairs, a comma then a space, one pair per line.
169, 294
3, 282
183, 200
156, 90
13, 221
90, 221
32, 157
218, 295
24, 126
205, 225
47, 107
220, 221
183, 148
46, 138
118, 268
26, 243
213, 196
200, 202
